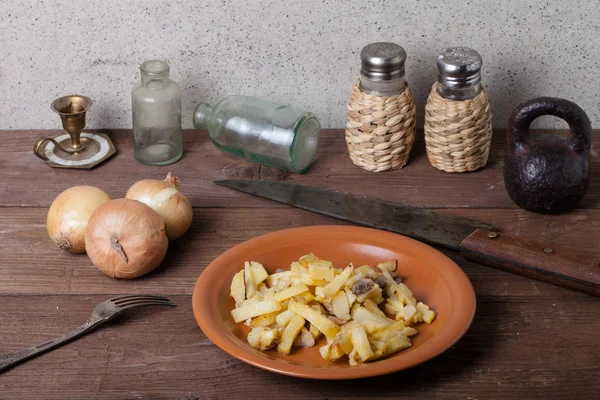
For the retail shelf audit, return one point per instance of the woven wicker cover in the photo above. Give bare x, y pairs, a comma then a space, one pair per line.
458, 133
380, 130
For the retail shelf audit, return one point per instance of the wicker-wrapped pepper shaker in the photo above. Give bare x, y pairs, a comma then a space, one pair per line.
458, 117
380, 127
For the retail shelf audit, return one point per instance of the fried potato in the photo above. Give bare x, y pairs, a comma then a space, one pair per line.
254, 310
326, 326
339, 305
259, 273
251, 286
289, 334
360, 341
290, 292
238, 288
339, 281
350, 307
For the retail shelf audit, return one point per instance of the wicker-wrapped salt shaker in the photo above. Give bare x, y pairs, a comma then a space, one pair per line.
458, 117
380, 127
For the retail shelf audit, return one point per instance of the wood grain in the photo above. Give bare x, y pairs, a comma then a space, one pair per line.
502, 356
417, 184
30, 262
528, 339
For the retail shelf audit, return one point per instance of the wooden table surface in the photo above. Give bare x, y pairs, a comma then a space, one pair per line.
528, 339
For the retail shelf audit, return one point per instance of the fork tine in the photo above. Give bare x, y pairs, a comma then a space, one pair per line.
145, 302
137, 296
154, 303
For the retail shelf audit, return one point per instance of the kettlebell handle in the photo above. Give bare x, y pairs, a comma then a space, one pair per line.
580, 136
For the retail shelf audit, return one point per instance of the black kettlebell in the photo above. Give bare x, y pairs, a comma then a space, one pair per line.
544, 172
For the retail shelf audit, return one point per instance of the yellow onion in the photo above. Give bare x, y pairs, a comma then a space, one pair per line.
165, 198
126, 239
69, 214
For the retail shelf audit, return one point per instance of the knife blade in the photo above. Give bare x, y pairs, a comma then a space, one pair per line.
418, 223
476, 241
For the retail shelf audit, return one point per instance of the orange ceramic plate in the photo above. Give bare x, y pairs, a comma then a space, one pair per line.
433, 277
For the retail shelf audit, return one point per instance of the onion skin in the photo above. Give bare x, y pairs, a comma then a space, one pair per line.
69, 214
165, 198
126, 239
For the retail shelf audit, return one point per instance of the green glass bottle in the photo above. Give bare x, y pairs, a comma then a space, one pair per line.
261, 131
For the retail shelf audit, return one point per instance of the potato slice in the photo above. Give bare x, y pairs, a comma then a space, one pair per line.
264, 320
427, 315
360, 341
284, 318
389, 266
308, 258
238, 288
405, 294
259, 273
344, 339
289, 334
339, 304
321, 270
371, 306
262, 288
279, 279
308, 280
305, 297
298, 269
314, 331
350, 296
290, 292
339, 281
263, 338
331, 352
254, 310
251, 286
396, 344
326, 326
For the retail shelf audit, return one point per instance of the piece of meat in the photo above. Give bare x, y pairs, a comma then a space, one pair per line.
381, 281
304, 339
363, 285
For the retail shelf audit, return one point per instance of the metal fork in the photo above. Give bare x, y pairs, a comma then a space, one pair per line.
102, 313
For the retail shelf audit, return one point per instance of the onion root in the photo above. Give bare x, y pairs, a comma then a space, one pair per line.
63, 243
114, 241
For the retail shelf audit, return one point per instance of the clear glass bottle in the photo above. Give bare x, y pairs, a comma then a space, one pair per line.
459, 73
156, 108
261, 131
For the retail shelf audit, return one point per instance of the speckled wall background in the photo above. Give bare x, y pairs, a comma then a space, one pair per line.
302, 52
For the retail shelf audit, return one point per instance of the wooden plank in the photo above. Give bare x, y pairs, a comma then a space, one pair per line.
30, 263
28, 181
512, 350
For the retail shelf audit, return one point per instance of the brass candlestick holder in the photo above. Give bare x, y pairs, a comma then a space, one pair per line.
75, 149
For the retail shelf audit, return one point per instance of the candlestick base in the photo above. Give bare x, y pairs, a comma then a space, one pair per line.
97, 147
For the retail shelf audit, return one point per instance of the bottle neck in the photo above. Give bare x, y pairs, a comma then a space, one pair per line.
155, 74
382, 88
154, 80
202, 115
459, 92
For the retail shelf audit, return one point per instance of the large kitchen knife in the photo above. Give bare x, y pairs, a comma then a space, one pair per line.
476, 241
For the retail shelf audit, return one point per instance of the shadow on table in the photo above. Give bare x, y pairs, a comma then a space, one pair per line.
178, 249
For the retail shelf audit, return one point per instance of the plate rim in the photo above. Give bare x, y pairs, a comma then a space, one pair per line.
299, 371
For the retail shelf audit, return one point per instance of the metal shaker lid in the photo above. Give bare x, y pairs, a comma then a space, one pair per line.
459, 66
382, 61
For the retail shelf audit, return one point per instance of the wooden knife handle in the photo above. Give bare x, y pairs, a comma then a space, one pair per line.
555, 265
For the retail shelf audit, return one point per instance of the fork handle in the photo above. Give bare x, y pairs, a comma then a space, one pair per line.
11, 359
